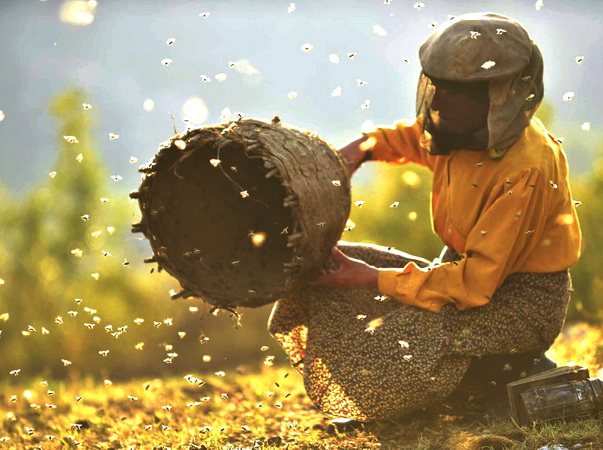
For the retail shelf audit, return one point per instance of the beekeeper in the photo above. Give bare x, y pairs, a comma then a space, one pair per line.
382, 333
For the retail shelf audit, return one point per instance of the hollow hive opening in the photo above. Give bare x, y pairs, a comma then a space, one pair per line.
223, 225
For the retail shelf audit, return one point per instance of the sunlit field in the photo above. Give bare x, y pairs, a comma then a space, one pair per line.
93, 352
262, 409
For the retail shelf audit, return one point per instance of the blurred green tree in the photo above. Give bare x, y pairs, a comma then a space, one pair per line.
74, 281
46, 235
586, 304
394, 210
587, 276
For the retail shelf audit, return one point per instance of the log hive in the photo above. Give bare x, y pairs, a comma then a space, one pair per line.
244, 212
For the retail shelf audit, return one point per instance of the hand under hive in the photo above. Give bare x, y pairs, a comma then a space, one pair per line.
243, 213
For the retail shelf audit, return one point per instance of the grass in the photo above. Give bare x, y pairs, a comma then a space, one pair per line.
267, 409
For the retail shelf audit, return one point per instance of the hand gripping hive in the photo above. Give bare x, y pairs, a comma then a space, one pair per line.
245, 212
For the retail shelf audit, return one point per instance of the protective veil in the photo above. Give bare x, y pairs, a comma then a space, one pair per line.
483, 47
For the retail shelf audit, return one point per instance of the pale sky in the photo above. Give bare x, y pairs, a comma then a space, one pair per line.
117, 58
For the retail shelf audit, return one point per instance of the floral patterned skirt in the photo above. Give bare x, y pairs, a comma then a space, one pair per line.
368, 357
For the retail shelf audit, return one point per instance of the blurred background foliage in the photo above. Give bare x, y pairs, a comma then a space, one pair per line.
72, 281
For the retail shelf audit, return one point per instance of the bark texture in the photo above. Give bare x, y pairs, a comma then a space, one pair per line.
243, 213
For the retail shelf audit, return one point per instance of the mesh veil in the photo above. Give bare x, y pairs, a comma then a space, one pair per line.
515, 82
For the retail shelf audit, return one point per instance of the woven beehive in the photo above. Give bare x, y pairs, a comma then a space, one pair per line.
243, 213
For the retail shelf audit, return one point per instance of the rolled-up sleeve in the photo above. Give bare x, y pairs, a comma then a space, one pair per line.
505, 234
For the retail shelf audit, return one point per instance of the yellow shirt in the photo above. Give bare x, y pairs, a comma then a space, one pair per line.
515, 214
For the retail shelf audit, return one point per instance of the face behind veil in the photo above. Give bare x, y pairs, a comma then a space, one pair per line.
482, 47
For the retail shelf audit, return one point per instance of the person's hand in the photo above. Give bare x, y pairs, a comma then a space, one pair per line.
352, 274
353, 154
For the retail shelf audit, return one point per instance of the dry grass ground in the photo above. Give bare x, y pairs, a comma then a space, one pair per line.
255, 410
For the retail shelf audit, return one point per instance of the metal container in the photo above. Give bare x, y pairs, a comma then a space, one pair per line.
564, 400
559, 394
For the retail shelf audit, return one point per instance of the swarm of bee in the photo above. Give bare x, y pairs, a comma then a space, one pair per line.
243, 213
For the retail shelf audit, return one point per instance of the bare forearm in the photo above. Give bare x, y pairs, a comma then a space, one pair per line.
352, 274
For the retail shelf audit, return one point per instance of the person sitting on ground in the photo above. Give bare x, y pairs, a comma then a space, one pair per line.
381, 333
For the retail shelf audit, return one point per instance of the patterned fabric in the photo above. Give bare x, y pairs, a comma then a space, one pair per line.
368, 357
